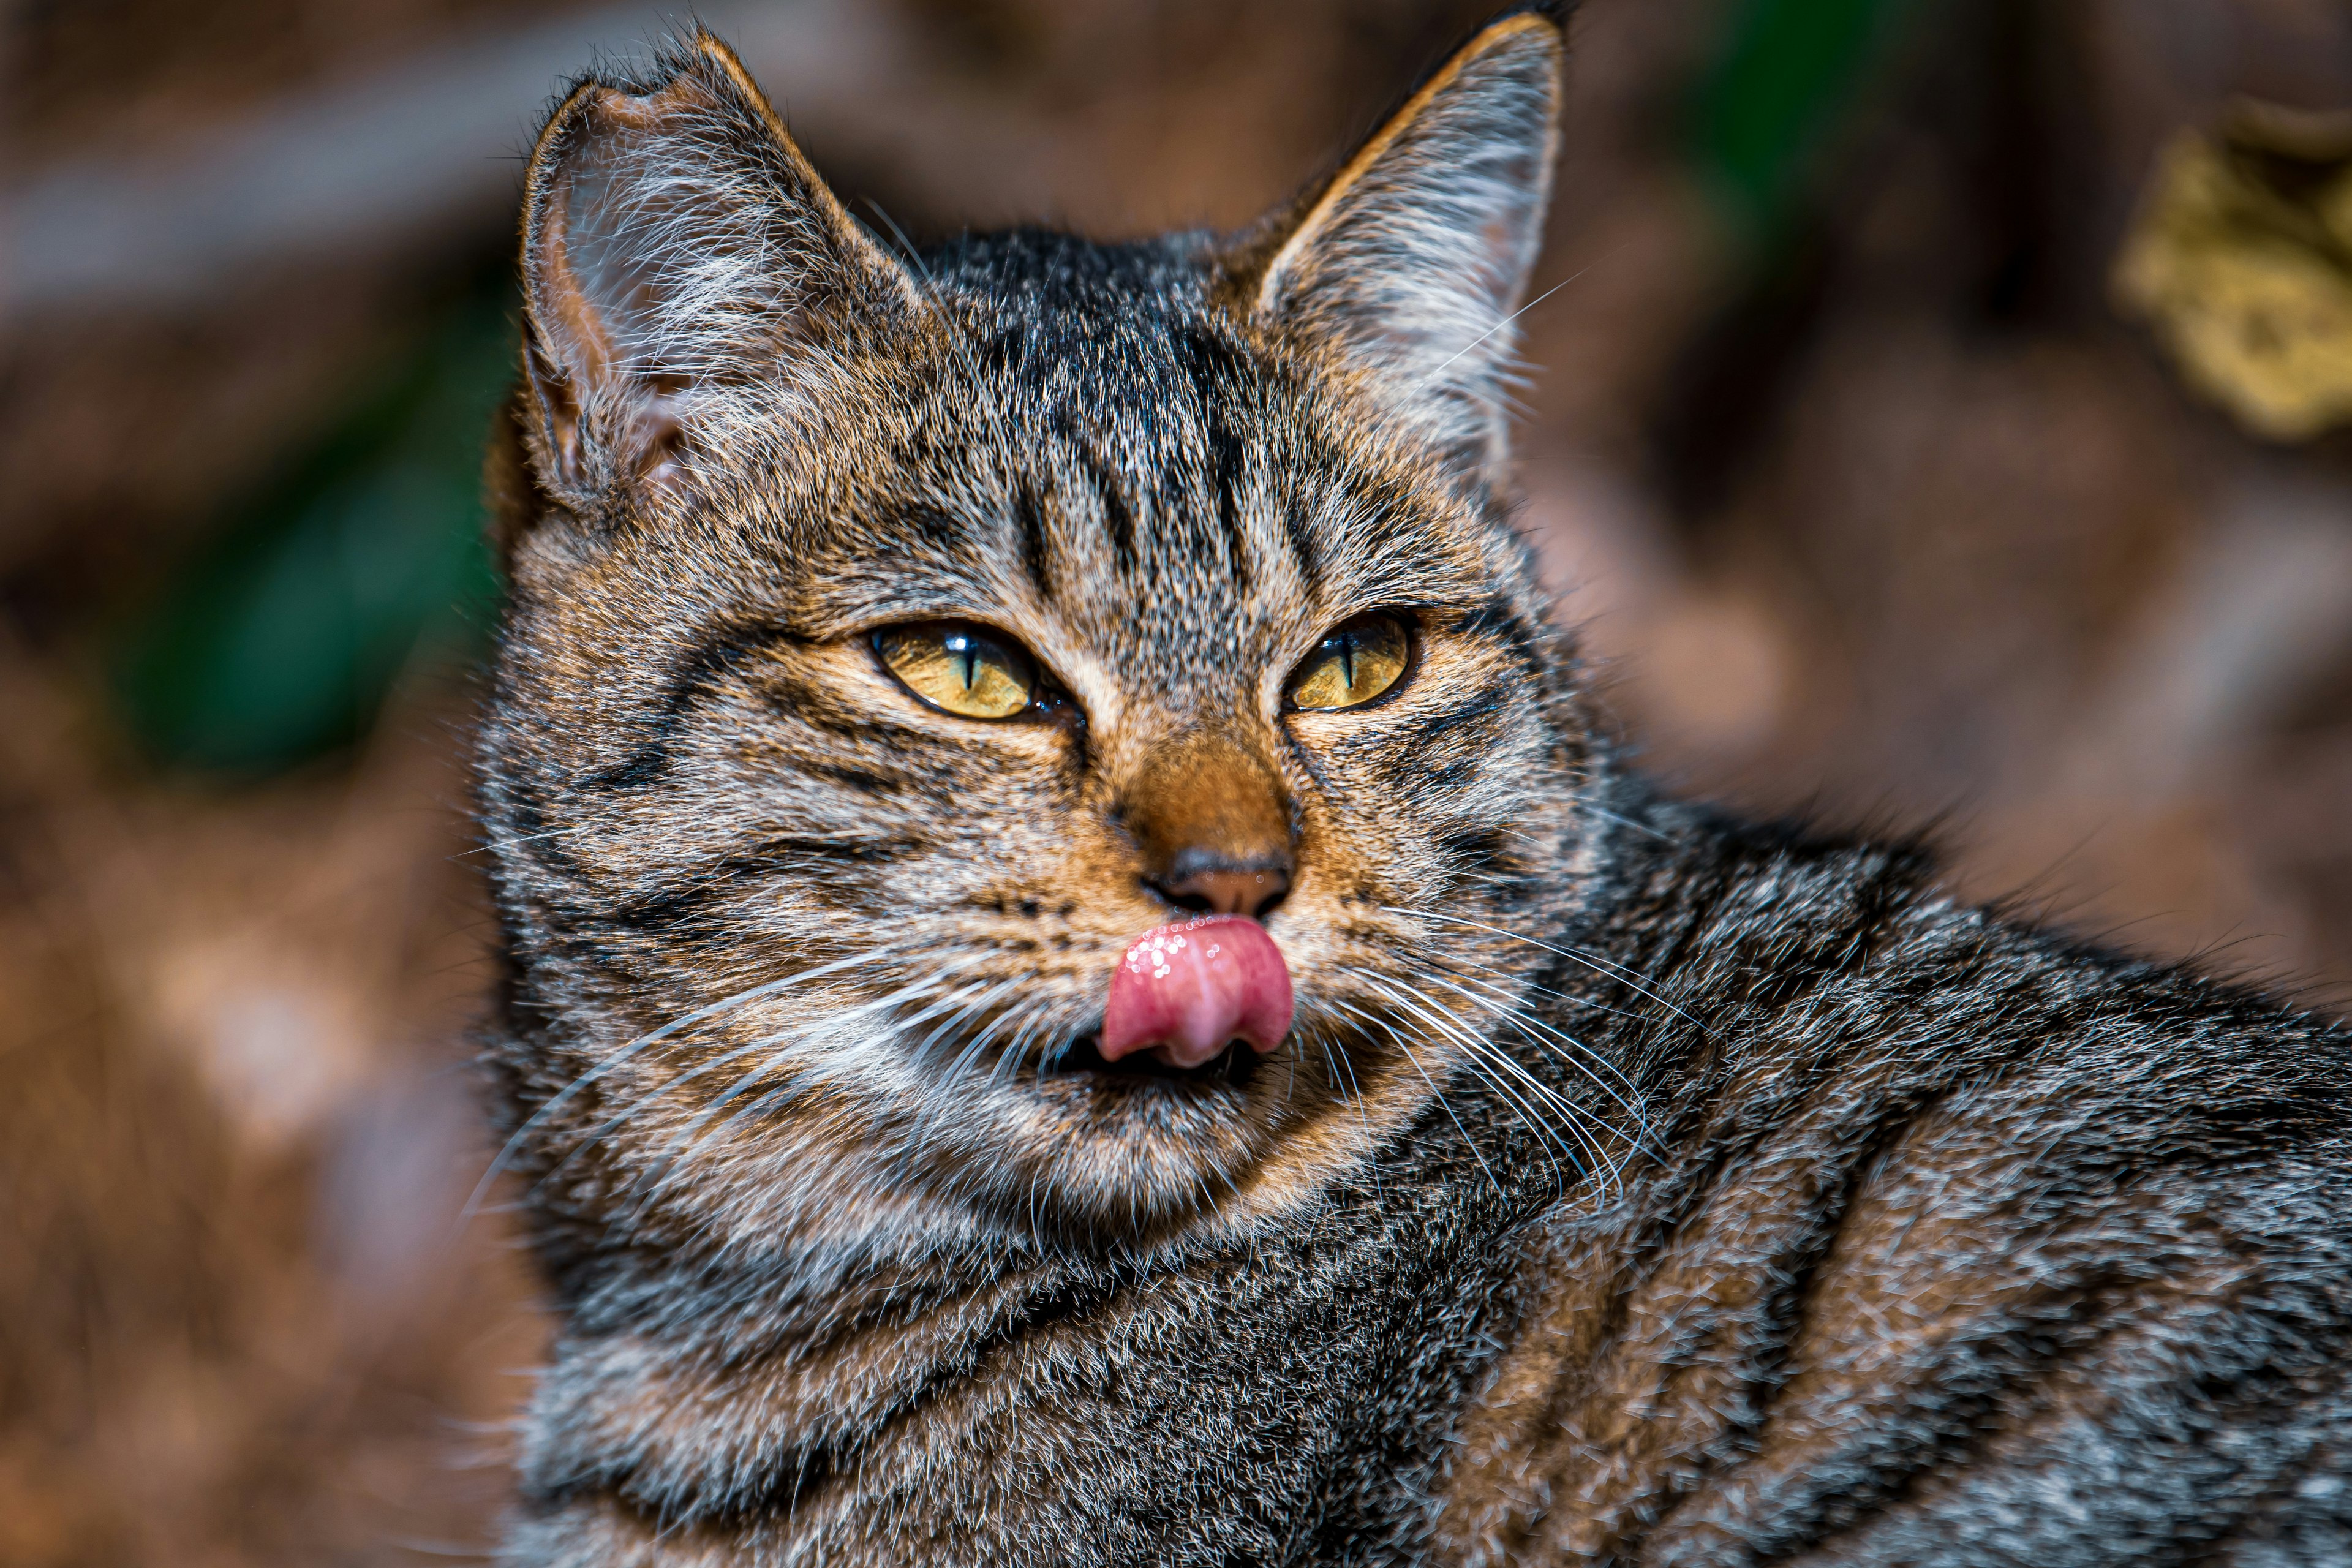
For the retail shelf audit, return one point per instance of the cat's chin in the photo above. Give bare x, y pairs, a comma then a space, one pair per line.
1134, 1152
1080, 1151
1134, 1145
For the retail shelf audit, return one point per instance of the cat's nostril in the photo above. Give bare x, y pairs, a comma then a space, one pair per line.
1228, 890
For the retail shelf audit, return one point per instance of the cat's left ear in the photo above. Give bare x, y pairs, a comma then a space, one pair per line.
1408, 265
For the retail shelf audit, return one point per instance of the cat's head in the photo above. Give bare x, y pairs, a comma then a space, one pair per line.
892, 640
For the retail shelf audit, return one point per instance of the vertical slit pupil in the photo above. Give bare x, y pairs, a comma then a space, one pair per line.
1348, 658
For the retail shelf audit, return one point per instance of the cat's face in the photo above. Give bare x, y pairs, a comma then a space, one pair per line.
890, 646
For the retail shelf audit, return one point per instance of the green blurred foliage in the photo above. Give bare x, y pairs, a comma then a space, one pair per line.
280, 641
1788, 71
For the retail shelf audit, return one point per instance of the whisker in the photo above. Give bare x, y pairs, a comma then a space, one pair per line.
1523, 1018
656, 1179
730, 1003
1578, 1115
683, 1142
743, 1083
1444, 1104
658, 1176
512, 840
960, 1065
1522, 310
671, 1086
1608, 968
1451, 958
983, 998
1642, 1137
1620, 820
1485, 1057
1009, 1060
1335, 1059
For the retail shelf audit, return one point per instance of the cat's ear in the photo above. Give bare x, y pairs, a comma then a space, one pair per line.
1408, 265
677, 248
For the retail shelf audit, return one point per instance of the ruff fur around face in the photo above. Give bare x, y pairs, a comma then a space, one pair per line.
1631, 1186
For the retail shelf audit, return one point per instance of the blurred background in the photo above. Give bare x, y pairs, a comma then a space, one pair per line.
1933, 422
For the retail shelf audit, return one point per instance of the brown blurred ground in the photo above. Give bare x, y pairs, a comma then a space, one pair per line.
1887, 520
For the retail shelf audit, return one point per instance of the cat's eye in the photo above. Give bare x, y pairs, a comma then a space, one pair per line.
1356, 661
959, 668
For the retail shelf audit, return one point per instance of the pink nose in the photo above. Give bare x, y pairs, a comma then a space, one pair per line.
1184, 992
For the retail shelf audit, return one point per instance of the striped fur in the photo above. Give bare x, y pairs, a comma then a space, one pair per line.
1635, 1187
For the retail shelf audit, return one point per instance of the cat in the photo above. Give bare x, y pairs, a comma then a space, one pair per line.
1082, 983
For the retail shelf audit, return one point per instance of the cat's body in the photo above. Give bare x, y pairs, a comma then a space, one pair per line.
1775, 1208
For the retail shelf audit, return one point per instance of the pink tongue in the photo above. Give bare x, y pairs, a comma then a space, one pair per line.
1185, 991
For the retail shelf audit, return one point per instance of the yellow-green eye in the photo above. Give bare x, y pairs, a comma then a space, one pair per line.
1355, 662
958, 667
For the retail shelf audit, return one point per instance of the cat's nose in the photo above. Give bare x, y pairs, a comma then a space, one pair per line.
1212, 824
1212, 887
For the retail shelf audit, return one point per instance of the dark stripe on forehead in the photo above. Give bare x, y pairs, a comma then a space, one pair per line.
936, 526
1118, 519
1029, 528
1217, 372
1213, 364
1225, 458
1306, 553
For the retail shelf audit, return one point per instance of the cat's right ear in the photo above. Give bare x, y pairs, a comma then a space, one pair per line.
677, 248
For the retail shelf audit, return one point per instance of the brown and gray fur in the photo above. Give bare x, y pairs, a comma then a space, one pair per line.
1636, 1186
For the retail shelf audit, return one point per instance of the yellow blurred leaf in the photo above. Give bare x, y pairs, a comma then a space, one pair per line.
2241, 259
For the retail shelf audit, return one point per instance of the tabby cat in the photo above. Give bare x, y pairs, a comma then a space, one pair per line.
1084, 988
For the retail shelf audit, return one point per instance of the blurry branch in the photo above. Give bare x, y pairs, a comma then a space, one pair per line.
2241, 259
431, 148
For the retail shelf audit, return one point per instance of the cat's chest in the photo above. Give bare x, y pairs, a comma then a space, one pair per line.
1245, 1407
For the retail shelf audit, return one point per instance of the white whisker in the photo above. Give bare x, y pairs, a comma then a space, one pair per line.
1486, 1056
1607, 968
739, 1000
1444, 1104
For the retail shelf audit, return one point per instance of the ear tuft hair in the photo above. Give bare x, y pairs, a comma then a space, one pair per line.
1409, 265
675, 244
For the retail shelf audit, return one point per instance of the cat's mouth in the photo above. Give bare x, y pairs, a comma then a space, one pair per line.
1082, 1056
